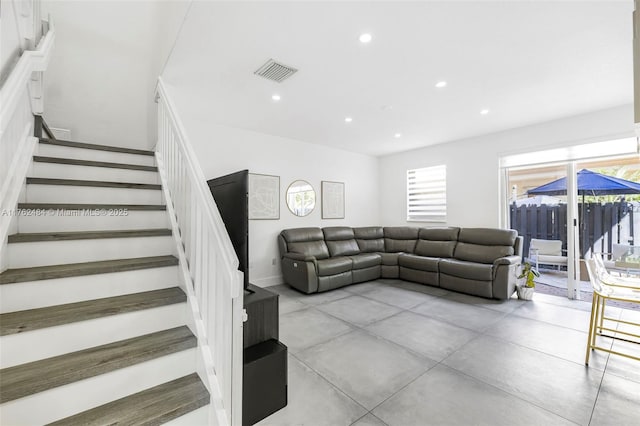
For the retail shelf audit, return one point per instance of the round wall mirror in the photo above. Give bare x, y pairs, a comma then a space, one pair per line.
301, 198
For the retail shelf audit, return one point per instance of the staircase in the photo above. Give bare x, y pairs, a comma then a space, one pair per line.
94, 328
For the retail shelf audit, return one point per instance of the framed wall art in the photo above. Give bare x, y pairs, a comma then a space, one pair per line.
264, 197
332, 200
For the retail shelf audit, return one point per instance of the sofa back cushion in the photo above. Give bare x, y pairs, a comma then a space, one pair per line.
445, 233
435, 248
437, 242
484, 245
400, 239
307, 241
341, 241
369, 238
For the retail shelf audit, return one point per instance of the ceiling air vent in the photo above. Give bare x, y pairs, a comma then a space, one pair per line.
275, 71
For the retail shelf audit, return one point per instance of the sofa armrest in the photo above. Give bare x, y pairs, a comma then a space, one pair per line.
504, 276
299, 273
508, 260
299, 256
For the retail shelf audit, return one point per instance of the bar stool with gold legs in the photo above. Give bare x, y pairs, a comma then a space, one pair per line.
607, 287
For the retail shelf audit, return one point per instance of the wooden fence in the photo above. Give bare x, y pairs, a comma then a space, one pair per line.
601, 225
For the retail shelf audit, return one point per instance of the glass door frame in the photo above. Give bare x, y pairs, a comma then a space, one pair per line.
570, 155
573, 221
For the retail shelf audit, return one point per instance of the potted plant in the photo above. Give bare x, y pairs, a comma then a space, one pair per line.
529, 273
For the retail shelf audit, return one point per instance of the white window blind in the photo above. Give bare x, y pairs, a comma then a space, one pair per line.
427, 194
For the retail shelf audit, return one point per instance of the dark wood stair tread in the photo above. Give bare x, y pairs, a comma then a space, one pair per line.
85, 235
72, 144
85, 268
92, 183
72, 206
33, 377
76, 162
50, 316
155, 405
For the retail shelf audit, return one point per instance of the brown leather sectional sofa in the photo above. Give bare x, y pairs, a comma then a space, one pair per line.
477, 261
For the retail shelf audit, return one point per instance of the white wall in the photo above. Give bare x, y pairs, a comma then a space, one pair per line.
223, 150
472, 164
101, 78
10, 40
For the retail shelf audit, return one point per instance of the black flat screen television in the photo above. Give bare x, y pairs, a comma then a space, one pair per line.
231, 194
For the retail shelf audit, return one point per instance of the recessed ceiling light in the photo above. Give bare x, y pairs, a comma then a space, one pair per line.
275, 97
386, 107
397, 135
348, 119
365, 38
484, 112
441, 84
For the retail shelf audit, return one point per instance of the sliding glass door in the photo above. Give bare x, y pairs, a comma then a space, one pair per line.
542, 214
550, 205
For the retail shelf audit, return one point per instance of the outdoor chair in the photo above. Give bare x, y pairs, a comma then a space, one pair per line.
617, 253
607, 287
546, 252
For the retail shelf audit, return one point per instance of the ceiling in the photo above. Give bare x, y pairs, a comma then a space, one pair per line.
526, 62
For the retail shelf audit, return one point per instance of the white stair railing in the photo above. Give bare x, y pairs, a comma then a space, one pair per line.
20, 98
208, 263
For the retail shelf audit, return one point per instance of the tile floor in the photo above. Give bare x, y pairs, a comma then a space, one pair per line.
395, 353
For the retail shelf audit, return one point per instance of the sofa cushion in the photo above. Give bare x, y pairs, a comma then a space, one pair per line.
343, 248
368, 232
552, 260
439, 233
390, 259
468, 270
488, 236
484, 245
340, 241
400, 239
435, 248
419, 262
302, 234
399, 246
307, 241
317, 249
548, 247
481, 253
401, 232
369, 238
365, 260
371, 246
338, 233
334, 265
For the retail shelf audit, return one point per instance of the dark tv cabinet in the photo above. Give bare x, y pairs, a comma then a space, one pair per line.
262, 312
264, 388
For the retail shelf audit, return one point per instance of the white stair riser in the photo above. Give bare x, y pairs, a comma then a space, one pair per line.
25, 255
44, 343
199, 417
78, 220
59, 291
37, 193
70, 171
46, 150
55, 404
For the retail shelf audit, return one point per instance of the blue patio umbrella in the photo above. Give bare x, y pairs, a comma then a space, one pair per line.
589, 183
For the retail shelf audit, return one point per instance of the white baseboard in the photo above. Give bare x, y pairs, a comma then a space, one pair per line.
268, 281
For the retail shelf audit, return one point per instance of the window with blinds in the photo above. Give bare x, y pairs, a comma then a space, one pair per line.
427, 194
